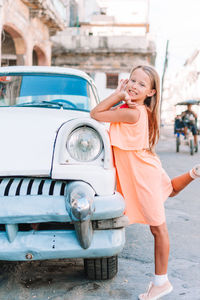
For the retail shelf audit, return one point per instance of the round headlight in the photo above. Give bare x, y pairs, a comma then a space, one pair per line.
84, 144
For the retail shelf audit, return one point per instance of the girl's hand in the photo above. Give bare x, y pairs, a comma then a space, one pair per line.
121, 89
131, 103
125, 96
122, 85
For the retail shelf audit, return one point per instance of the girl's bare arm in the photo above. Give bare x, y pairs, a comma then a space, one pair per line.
103, 112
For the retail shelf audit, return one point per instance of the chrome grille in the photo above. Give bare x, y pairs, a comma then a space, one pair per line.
31, 186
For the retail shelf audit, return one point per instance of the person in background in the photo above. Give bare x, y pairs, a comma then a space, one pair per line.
189, 118
2, 92
178, 124
134, 132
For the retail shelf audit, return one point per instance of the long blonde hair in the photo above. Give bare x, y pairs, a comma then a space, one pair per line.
152, 104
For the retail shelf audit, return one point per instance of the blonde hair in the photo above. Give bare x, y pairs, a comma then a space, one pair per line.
152, 104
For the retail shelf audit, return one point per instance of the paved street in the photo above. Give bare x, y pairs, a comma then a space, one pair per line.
65, 280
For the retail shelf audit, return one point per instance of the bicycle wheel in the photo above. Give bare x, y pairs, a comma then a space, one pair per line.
177, 143
196, 148
191, 147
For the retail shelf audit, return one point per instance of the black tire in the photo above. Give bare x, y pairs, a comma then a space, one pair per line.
177, 143
101, 268
191, 147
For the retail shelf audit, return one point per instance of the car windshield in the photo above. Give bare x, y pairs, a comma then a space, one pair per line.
46, 90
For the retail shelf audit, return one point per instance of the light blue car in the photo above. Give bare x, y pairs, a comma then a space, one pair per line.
57, 179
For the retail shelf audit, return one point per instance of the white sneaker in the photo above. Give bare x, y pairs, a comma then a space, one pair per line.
195, 172
155, 292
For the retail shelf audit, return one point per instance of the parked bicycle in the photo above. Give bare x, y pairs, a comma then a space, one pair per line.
185, 127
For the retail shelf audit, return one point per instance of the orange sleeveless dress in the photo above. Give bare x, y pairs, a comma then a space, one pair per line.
140, 176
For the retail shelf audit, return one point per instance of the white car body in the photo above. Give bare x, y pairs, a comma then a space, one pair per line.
41, 182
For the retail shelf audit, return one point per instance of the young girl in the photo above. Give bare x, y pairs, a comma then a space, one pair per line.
134, 132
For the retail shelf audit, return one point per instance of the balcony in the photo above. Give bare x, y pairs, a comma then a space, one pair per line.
53, 13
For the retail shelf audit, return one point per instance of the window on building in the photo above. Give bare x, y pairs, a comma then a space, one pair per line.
103, 10
112, 80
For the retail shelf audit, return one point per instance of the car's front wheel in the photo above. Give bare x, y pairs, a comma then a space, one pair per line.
101, 268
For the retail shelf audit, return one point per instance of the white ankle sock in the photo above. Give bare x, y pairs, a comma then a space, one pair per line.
195, 172
160, 279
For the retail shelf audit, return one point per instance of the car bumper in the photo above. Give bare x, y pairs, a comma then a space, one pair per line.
36, 222
43, 208
39, 245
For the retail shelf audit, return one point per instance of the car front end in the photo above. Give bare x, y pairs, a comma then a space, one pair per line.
57, 179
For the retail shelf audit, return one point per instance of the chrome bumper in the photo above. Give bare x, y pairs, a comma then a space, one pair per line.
80, 206
38, 245
77, 204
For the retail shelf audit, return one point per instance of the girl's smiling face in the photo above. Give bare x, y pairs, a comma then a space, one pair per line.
139, 86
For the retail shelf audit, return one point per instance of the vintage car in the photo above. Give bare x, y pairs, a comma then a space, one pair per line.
57, 179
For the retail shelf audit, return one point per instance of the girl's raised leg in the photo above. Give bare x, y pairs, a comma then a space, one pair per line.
180, 182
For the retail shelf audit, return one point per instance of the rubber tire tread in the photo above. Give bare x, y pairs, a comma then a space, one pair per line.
101, 268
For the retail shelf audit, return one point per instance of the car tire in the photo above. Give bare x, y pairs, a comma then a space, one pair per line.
101, 268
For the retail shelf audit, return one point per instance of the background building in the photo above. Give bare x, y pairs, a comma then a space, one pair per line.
91, 35
183, 85
26, 27
103, 42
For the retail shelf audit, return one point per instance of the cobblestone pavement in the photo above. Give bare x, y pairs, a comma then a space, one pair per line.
64, 279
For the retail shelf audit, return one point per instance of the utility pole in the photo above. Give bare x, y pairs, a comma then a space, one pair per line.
163, 75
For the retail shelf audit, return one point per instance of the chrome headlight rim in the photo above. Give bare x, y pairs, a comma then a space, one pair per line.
94, 131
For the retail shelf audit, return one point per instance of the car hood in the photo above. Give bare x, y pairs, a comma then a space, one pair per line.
27, 139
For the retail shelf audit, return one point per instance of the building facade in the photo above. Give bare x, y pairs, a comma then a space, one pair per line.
182, 86
26, 27
105, 46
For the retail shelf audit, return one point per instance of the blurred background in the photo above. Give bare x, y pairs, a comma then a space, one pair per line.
106, 38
